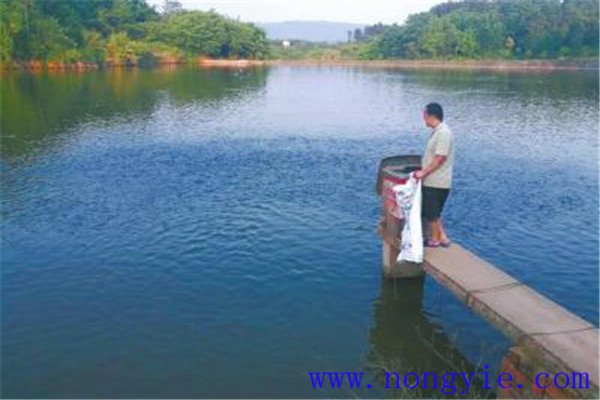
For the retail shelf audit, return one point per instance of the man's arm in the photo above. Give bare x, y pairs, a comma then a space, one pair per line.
435, 164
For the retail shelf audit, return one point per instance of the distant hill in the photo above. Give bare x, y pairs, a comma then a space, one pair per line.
313, 31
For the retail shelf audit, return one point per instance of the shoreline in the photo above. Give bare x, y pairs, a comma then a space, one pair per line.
492, 65
498, 65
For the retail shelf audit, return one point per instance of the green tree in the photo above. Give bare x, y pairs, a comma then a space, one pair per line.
441, 38
125, 30
12, 20
494, 28
209, 34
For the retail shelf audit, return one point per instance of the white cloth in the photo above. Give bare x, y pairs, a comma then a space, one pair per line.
408, 199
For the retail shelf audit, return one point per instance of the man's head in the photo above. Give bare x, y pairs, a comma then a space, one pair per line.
433, 114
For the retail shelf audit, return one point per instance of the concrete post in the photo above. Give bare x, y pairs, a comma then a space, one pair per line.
389, 229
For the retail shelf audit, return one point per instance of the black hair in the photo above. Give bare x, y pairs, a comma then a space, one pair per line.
436, 110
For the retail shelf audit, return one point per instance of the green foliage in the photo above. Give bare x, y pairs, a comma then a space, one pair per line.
121, 50
120, 31
209, 34
303, 50
298, 50
477, 29
247, 41
131, 31
12, 21
37, 36
93, 49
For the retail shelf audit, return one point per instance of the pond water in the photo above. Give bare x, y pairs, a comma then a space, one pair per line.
194, 233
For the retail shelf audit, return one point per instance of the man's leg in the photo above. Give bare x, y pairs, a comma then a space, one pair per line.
443, 236
426, 227
435, 230
427, 212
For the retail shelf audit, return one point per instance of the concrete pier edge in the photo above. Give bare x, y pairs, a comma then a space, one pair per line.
557, 338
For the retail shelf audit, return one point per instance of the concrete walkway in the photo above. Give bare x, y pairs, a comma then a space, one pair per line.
565, 341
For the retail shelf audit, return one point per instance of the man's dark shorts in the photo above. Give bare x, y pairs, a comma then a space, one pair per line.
433, 202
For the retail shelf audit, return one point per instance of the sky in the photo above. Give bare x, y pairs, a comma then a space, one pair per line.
364, 12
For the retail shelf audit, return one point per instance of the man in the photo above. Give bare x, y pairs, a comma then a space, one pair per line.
436, 173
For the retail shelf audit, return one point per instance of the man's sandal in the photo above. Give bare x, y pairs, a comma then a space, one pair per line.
432, 243
446, 243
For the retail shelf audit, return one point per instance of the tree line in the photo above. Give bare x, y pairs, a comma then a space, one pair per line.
120, 32
124, 32
489, 29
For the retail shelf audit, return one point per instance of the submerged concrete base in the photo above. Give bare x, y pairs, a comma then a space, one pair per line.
389, 228
395, 270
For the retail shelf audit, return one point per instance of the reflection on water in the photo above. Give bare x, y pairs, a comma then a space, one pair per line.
34, 107
563, 86
398, 313
206, 233
405, 340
